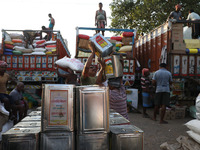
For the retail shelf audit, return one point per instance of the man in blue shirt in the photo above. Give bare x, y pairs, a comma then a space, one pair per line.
51, 22
162, 79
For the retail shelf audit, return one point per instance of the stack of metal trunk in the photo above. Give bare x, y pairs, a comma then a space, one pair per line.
57, 128
74, 118
92, 118
24, 135
123, 135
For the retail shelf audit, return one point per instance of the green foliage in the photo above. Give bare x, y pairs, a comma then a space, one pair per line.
145, 15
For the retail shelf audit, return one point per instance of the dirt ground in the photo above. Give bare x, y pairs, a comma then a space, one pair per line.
154, 133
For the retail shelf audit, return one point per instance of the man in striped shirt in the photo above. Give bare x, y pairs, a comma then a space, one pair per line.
146, 86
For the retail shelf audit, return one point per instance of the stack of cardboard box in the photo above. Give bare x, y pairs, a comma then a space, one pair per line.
178, 44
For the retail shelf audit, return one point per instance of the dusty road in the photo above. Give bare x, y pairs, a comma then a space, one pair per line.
154, 133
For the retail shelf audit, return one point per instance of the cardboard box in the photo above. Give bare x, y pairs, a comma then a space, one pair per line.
127, 40
179, 46
177, 36
83, 43
177, 26
192, 43
180, 112
177, 52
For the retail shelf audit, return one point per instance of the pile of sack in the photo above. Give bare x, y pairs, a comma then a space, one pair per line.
72, 63
194, 125
121, 43
15, 45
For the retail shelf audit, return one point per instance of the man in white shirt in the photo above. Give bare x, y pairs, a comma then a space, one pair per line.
196, 26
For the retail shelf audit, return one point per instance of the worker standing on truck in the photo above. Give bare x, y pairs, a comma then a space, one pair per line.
192, 16
177, 15
51, 24
162, 79
100, 18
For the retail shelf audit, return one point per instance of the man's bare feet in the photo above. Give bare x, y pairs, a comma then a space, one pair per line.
163, 122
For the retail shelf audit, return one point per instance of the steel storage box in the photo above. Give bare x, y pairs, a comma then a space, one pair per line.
31, 118
99, 141
113, 66
126, 137
34, 124
57, 141
57, 107
118, 121
35, 113
21, 139
92, 109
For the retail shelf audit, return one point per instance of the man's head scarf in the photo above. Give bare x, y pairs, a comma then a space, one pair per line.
3, 63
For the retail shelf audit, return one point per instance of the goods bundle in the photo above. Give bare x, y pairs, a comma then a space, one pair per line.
121, 43
14, 44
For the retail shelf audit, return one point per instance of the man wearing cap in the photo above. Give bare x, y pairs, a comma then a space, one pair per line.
162, 79
177, 15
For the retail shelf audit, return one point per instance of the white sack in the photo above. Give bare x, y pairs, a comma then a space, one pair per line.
39, 49
198, 107
194, 125
194, 136
187, 32
71, 63
38, 53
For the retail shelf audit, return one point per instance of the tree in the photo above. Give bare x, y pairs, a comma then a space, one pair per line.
145, 15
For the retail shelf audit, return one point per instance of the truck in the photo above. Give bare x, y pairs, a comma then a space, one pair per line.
33, 70
166, 44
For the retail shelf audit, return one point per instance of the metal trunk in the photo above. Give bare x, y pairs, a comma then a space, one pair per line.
98, 141
57, 141
126, 137
21, 139
92, 109
58, 107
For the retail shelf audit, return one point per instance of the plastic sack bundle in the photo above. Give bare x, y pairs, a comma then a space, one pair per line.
39, 49
194, 136
198, 107
187, 32
71, 63
194, 125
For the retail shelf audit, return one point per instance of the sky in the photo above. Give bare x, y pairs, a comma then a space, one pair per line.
68, 14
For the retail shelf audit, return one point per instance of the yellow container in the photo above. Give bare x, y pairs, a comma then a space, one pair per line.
192, 43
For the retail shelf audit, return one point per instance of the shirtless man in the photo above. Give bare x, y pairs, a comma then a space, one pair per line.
100, 18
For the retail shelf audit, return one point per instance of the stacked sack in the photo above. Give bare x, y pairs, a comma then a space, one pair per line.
18, 41
8, 44
39, 47
127, 42
72, 63
14, 44
83, 41
117, 42
50, 47
194, 125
